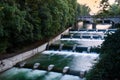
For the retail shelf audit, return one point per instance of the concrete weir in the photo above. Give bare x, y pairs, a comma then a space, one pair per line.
10, 62
52, 68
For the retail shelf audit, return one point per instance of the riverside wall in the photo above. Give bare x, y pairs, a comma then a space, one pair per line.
10, 62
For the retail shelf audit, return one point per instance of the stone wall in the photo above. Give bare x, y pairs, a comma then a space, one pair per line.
10, 62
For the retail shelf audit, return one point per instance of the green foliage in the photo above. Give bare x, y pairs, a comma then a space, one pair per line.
109, 10
3, 45
108, 66
113, 10
83, 10
104, 4
25, 21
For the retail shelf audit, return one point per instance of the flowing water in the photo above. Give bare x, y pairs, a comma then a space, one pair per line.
72, 53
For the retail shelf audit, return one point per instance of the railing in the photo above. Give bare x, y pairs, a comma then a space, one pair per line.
99, 17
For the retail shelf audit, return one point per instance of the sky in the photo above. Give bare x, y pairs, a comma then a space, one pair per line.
93, 4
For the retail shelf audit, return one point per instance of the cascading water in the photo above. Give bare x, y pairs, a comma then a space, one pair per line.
60, 48
50, 67
70, 61
36, 65
22, 64
74, 47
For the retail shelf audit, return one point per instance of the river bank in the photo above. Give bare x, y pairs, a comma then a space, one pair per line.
10, 62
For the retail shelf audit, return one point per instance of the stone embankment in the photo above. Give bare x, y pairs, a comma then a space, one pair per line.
10, 62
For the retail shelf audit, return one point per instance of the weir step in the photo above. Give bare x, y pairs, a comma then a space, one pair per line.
73, 48
52, 68
93, 30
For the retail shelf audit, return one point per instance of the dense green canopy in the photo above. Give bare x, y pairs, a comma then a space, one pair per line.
26, 21
108, 66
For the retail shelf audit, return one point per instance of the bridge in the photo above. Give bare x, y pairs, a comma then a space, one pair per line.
92, 19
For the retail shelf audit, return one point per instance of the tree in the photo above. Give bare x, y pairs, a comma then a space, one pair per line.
23, 22
83, 10
108, 65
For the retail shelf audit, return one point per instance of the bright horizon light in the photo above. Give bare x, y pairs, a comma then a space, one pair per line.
93, 4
